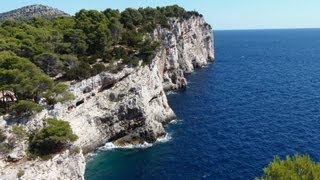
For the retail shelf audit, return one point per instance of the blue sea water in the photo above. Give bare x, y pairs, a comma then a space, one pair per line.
260, 98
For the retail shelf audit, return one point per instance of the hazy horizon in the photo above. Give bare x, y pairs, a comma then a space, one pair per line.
222, 15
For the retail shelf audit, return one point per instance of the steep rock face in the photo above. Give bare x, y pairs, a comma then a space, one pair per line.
186, 46
28, 12
128, 107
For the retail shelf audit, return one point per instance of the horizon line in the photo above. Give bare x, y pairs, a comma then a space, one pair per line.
257, 29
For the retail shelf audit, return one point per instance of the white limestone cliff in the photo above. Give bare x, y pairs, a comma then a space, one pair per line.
186, 46
128, 107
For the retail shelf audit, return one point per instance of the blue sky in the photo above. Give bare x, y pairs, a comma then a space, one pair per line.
221, 14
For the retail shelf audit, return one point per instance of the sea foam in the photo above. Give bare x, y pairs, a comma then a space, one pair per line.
111, 146
171, 93
176, 121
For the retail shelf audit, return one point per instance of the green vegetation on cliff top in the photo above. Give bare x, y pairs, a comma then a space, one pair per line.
37, 54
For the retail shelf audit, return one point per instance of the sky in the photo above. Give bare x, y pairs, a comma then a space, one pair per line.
221, 14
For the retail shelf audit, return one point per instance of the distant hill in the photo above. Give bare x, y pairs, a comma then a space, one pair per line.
31, 11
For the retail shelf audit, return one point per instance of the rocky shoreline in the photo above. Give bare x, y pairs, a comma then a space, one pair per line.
129, 107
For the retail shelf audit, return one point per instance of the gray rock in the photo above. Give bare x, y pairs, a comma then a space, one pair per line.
61, 166
188, 45
29, 12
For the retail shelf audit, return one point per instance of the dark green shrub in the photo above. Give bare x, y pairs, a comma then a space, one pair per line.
53, 138
132, 38
97, 68
148, 50
63, 48
59, 93
22, 78
3, 137
49, 63
92, 59
131, 18
134, 61
119, 53
69, 61
2, 111
295, 167
94, 25
24, 107
5, 148
77, 39
80, 72
114, 68
107, 56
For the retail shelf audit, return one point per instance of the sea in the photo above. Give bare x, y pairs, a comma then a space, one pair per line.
260, 98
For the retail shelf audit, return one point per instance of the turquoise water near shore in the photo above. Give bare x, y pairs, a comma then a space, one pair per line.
259, 99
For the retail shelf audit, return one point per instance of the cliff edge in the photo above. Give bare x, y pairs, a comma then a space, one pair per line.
129, 107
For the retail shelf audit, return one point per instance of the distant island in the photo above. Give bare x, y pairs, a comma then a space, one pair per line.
32, 11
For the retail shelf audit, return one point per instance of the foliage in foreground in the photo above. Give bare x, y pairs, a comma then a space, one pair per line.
299, 167
53, 138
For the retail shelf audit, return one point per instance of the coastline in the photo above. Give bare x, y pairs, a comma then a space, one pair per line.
134, 108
